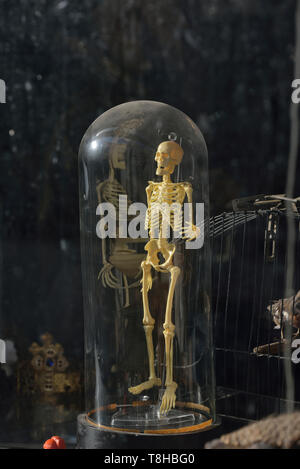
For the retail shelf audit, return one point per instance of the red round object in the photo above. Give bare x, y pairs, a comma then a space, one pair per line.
55, 442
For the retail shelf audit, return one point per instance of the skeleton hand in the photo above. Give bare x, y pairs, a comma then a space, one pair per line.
190, 231
107, 277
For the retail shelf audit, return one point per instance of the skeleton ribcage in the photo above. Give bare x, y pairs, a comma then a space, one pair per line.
111, 191
165, 207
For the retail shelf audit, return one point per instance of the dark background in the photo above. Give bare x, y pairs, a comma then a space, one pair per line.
227, 64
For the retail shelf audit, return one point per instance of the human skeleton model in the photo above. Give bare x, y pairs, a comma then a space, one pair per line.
169, 154
125, 260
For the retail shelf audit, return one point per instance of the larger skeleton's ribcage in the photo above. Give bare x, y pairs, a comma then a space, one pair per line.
111, 192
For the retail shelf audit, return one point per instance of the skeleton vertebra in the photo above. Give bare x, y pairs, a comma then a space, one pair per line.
161, 197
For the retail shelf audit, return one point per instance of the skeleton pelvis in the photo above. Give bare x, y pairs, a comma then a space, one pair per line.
128, 262
159, 246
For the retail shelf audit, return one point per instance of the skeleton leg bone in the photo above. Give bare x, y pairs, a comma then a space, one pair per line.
148, 323
169, 397
126, 291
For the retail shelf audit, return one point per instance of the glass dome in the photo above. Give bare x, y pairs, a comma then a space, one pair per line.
146, 272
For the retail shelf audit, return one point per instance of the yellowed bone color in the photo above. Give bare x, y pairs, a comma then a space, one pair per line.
165, 193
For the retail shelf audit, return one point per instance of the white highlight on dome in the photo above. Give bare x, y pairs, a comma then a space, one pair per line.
94, 145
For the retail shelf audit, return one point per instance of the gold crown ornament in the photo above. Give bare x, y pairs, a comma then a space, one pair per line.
47, 372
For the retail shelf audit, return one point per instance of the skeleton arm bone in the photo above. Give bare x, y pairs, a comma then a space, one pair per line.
189, 193
149, 190
192, 230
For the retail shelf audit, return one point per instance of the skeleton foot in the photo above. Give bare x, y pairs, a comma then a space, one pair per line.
169, 398
146, 385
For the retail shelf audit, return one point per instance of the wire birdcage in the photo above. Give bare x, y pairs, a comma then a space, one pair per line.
251, 314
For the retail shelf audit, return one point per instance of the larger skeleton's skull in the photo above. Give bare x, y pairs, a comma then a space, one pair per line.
168, 156
117, 156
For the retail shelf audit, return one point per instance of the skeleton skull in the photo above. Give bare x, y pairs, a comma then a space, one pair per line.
117, 156
168, 156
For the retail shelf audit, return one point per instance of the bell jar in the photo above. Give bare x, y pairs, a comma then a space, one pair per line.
144, 222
